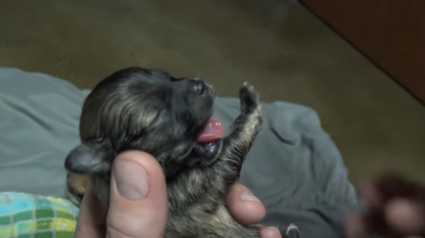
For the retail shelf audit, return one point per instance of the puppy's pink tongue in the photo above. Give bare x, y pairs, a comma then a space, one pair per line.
213, 131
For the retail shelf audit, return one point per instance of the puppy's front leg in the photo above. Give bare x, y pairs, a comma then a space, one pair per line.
245, 129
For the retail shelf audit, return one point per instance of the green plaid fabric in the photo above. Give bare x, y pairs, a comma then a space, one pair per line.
34, 216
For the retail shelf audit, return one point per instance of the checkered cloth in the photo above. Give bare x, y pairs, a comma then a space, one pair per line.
33, 216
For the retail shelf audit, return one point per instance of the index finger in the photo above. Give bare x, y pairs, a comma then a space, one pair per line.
90, 224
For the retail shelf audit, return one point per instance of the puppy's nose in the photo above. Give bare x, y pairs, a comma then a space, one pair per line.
200, 87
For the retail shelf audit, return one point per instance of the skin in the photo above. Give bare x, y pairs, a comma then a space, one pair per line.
147, 217
395, 209
403, 215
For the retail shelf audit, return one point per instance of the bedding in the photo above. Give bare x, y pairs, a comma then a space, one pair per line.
24, 215
294, 166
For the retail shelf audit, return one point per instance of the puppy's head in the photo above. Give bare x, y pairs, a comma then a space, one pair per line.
140, 109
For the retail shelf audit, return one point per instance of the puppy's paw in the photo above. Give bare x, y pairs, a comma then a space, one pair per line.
292, 231
250, 100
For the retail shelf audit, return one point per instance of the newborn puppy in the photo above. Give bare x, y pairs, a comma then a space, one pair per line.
169, 118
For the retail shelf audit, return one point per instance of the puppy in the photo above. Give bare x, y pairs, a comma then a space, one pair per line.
169, 118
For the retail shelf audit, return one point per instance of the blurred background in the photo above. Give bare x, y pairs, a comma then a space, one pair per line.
279, 46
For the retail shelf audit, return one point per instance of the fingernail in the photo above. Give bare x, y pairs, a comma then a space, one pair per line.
247, 196
131, 180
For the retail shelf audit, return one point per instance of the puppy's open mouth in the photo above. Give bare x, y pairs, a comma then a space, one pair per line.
214, 130
209, 142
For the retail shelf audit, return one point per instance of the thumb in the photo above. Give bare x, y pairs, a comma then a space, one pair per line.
138, 200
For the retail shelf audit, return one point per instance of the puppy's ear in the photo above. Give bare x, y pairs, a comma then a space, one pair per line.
89, 158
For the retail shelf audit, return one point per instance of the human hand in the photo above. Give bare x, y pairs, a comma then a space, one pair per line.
138, 203
396, 208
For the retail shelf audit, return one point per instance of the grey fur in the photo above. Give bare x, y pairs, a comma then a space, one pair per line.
152, 111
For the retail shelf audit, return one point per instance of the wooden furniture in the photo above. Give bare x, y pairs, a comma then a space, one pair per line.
389, 32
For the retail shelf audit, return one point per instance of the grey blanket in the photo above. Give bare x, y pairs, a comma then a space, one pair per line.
294, 167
